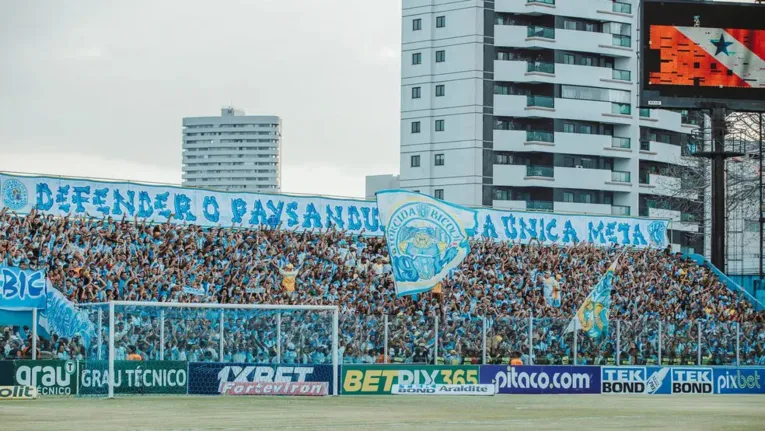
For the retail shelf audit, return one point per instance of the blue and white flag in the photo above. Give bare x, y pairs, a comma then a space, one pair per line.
592, 316
426, 238
22, 289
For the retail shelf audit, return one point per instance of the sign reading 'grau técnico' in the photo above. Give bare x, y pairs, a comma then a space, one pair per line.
134, 377
62, 196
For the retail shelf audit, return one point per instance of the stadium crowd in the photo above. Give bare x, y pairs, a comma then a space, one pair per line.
510, 285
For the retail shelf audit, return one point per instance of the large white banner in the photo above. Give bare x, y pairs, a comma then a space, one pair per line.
62, 196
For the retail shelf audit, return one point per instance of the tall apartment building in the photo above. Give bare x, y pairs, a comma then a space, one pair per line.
532, 105
233, 152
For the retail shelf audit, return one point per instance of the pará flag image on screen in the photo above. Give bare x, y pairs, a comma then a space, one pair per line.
592, 316
426, 238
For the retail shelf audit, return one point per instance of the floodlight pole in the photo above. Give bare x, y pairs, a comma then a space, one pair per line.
762, 219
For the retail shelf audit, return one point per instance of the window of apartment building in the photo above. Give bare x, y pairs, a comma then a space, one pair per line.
568, 59
502, 195
588, 163
569, 25
441, 21
569, 128
440, 90
416, 24
439, 125
438, 193
415, 127
568, 197
587, 61
440, 56
608, 200
439, 159
415, 161
585, 198
585, 129
415, 92
416, 58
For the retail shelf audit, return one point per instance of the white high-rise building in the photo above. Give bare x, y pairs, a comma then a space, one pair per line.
532, 105
233, 152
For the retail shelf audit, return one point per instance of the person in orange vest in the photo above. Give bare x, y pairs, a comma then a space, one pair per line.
381, 358
516, 359
133, 355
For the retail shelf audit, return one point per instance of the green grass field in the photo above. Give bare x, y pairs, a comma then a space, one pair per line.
567, 412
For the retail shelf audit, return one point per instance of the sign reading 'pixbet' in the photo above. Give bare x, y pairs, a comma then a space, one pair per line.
376, 379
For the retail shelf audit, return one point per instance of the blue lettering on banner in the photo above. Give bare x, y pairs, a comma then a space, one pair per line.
22, 289
636, 380
743, 380
211, 378
542, 379
61, 196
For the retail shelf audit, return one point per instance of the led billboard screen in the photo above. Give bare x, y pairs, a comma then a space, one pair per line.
694, 53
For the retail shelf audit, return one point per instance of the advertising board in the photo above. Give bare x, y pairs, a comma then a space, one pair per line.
434, 389
542, 379
657, 380
699, 52
18, 393
6, 373
379, 379
732, 380
259, 379
49, 377
133, 377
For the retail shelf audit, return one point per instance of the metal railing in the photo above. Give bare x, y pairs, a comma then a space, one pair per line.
622, 7
540, 31
622, 75
621, 108
539, 205
540, 66
617, 142
644, 178
550, 2
620, 176
620, 210
539, 136
540, 171
645, 112
645, 145
620, 40
540, 101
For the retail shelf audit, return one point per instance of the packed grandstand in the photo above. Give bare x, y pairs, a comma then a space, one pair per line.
659, 298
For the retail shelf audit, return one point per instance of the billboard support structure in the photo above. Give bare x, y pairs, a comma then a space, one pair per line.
718, 155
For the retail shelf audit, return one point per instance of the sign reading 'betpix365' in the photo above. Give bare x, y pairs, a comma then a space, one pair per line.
62, 196
380, 379
22, 289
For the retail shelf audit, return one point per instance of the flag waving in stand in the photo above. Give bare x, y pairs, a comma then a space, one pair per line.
426, 237
592, 316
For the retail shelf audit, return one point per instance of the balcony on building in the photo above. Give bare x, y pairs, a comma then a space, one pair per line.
662, 146
662, 180
596, 10
620, 210
523, 198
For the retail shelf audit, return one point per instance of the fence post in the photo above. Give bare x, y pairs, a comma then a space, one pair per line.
162, 334
698, 349
34, 334
385, 338
660, 339
111, 350
531, 336
435, 350
618, 342
483, 341
576, 332
279, 338
220, 330
738, 344
335, 355
100, 331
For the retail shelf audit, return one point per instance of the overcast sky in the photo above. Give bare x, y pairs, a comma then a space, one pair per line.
98, 88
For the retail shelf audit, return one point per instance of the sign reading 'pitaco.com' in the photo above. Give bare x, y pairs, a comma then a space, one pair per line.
379, 379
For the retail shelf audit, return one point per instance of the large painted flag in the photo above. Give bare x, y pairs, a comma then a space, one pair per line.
426, 238
709, 57
592, 316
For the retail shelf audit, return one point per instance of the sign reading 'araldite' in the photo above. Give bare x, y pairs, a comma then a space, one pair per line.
310, 389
